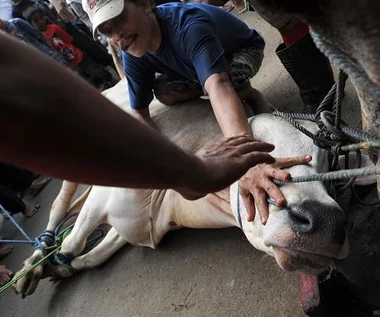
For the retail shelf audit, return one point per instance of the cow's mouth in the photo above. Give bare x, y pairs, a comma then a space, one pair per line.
308, 263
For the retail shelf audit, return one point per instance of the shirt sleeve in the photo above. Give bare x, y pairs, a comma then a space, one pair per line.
140, 77
29, 29
204, 50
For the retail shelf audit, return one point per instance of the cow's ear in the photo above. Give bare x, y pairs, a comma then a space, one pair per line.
365, 161
294, 7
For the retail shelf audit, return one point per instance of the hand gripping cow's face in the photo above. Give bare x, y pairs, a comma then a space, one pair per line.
309, 233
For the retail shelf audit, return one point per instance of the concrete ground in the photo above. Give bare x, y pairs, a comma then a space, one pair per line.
193, 273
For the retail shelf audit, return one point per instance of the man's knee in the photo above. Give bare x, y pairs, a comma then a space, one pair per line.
167, 100
163, 91
170, 92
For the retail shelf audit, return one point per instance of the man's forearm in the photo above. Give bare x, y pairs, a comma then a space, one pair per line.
53, 122
227, 106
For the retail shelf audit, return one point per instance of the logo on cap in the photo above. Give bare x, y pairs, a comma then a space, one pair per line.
92, 4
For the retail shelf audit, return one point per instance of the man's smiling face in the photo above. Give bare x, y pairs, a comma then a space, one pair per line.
131, 30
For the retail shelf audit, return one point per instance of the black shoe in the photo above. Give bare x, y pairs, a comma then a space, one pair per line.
310, 70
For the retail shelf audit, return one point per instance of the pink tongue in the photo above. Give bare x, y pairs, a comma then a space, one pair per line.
309, 292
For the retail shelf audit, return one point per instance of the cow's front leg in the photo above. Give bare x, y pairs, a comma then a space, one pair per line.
101, 253
61, 204
60, 209
74, 244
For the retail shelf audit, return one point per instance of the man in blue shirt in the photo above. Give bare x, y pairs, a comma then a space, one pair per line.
198, 49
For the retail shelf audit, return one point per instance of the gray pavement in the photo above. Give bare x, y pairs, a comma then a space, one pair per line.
193, 273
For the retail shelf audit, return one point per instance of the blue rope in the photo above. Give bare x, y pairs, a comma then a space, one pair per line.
329, 176
47, 237
60, 225
270, 201
29, 240
238, 209
51, 240
33, 242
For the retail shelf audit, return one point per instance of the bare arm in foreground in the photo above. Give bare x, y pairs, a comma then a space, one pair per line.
54, 123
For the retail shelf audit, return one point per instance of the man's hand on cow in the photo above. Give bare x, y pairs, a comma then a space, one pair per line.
226, 161
62, 9
257, 183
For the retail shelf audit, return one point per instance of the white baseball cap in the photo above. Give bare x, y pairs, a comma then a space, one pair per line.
100, 11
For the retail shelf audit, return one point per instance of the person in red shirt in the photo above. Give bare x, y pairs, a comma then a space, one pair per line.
62, 41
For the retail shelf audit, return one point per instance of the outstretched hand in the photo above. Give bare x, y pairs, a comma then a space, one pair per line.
226, 161
257, 183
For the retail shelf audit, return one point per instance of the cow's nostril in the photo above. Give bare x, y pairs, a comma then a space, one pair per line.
300, 220
311, 217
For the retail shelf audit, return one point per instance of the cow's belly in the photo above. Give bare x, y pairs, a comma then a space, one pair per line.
190, 125
127, 210
143, 216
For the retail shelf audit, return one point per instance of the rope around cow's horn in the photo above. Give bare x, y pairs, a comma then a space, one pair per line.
348, 131
343, 174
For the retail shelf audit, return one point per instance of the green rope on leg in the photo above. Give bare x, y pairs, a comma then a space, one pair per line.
62, 260
56, 248
15, 279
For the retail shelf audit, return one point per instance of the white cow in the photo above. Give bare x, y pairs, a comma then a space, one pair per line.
307, 235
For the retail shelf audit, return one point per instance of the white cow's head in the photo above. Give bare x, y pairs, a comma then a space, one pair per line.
309, 233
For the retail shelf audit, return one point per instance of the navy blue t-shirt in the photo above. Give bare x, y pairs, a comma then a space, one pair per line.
198, 40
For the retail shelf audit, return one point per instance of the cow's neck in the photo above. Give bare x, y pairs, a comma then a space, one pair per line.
175, 212
368, 91
370, 107
370, 111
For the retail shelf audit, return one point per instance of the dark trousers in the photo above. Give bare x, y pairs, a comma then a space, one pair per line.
16, 178
10, 201
94, 73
